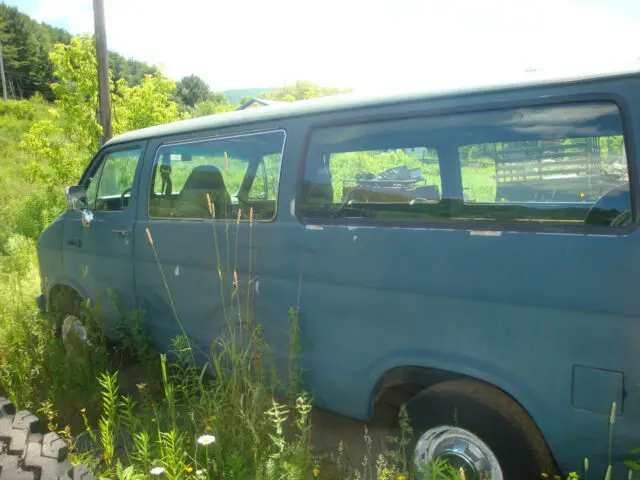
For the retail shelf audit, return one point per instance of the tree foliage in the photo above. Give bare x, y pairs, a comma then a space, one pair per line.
211, 108
26, 44
131, 70
302, 90
26, 48
77, 91
133, 107
193, 89
145, 105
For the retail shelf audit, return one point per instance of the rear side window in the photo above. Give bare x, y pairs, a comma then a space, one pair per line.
236, 173
563, 164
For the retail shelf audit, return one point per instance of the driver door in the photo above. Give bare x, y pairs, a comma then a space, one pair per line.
98, 252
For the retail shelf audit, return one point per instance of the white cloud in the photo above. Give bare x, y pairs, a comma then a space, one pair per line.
74, 15
370, 44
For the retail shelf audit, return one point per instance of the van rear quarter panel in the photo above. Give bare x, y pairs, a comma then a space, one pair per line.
518, 310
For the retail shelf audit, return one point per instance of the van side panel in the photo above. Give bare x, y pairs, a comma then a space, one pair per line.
549, 318
540, 315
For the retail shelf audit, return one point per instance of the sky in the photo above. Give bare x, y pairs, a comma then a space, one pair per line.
367, 45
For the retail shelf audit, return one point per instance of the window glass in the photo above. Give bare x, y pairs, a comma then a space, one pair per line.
553, 170
265, 185
239, 172
562, 164
116, 180
91, 188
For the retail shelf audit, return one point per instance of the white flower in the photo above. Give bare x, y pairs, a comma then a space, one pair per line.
157, 471
206, 439
199, 473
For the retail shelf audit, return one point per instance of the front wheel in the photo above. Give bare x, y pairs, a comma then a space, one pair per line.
477, 428
66, 309
74, 335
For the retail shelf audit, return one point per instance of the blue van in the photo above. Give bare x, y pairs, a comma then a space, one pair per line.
470, 254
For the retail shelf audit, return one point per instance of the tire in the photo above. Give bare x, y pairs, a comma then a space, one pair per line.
28, 453
66, 311
63, 303
491, 418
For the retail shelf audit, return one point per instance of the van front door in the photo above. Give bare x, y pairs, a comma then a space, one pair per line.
98, 243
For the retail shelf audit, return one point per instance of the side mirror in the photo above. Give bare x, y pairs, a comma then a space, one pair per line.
76, 197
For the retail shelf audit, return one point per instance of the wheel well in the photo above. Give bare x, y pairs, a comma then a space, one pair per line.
398, 385
63, 297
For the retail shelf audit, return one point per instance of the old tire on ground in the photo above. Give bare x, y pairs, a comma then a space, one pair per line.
27, 452
477, 426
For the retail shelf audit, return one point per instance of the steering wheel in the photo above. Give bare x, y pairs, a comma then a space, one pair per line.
128, 190
616, 199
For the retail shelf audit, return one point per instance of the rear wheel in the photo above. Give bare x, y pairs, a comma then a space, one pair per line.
478, 428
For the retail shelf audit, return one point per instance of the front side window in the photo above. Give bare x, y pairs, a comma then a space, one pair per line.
109, 188
237, 173
548, 165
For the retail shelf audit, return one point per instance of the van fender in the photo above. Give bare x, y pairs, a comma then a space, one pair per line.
403, 366
64, 282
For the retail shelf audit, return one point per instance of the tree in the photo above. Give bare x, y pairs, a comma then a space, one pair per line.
192, 89
76, 67
145, 105
133, 71
211, 108
302, 90
27, 45
76, 93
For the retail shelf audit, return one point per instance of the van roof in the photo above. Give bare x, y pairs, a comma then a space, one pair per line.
346, 102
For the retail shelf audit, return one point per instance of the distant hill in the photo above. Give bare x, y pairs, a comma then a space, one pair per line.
236, 94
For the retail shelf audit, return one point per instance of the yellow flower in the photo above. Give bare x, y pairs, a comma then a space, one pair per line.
212, 418
316, 472
582, 195
189, 469
544, 475
83, 410
401, 477
153, 420
207, 428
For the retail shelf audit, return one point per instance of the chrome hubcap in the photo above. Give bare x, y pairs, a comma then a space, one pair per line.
461, 449
74, 334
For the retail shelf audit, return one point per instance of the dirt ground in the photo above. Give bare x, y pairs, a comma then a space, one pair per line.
328, 429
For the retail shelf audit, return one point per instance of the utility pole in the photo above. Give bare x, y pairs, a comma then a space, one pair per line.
103, 69
4, 81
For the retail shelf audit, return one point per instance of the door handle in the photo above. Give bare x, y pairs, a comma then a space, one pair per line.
122, 231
